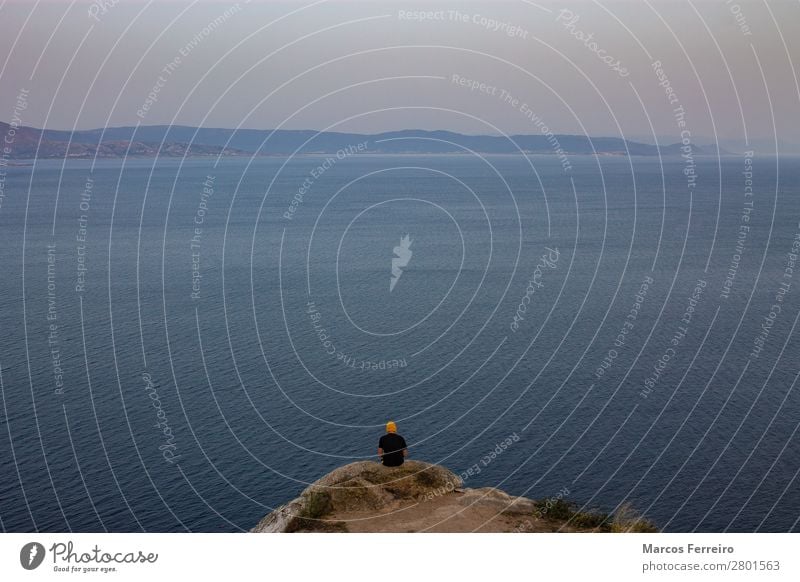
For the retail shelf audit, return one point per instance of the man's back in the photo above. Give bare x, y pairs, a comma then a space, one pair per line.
392, 445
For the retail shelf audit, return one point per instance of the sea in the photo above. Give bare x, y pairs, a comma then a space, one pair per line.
186, 344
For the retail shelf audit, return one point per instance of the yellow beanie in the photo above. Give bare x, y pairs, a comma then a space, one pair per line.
391, 426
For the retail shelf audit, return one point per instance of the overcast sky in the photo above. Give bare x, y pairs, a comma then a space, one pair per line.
371, 66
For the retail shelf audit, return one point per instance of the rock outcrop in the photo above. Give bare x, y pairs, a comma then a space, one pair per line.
420, 497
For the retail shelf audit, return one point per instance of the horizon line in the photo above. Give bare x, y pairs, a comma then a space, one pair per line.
635, 139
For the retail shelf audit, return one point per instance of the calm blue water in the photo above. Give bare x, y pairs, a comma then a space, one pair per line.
293, 352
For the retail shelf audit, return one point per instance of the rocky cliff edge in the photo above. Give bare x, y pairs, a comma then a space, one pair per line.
421, 497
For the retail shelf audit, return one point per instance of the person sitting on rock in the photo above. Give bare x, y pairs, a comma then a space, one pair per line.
392, 447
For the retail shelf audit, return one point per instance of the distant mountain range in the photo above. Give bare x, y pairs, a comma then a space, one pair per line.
178, 141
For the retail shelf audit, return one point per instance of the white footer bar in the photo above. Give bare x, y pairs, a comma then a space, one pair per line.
402, 557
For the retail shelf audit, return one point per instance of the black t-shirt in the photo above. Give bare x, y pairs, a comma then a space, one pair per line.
393, 445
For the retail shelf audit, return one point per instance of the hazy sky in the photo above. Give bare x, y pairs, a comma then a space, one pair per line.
370, 66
